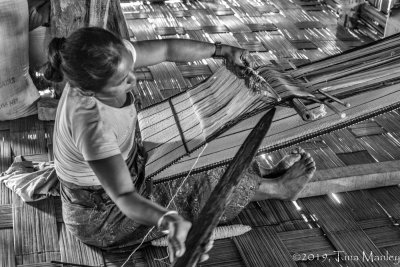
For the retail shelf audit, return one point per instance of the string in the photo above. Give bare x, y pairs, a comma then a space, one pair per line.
162, 260
169, 203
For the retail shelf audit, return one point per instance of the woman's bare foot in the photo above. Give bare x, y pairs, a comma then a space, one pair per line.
284, 164
290, 184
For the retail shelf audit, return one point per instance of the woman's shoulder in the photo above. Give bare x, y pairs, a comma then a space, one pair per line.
79, 105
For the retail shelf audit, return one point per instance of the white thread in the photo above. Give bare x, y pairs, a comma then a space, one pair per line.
172, 199
162, 259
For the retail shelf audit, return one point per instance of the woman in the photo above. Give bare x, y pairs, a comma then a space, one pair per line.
100, 160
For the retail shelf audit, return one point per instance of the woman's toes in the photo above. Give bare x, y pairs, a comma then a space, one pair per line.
311, 164
204, 257
294, 157
295, 151
311, 168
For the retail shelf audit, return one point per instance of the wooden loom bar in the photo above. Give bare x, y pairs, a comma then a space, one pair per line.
214, 208
354, 177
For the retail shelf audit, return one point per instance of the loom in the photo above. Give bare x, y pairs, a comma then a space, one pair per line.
222, 110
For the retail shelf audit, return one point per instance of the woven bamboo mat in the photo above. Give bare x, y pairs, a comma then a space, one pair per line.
284, 233
353, 222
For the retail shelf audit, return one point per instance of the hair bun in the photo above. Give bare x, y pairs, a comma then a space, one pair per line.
53, 70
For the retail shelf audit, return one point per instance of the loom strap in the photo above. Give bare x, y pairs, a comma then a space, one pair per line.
178, 125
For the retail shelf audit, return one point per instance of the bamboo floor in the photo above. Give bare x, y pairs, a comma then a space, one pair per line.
306, 233
342, 229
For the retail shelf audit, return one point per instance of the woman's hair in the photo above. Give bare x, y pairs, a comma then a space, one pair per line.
87, 58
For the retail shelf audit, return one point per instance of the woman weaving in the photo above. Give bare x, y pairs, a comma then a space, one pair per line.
100, 161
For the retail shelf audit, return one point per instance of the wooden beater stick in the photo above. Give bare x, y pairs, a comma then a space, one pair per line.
201, 230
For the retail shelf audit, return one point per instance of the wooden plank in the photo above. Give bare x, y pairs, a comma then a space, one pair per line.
354, 177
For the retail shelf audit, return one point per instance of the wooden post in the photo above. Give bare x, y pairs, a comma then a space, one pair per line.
208, 219
98, 13
116, 20
66, 16
70, 15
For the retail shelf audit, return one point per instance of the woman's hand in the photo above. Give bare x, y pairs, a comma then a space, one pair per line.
236, 59
178, 229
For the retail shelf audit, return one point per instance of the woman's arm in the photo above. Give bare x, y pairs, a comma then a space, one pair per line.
181, 50
116, 181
